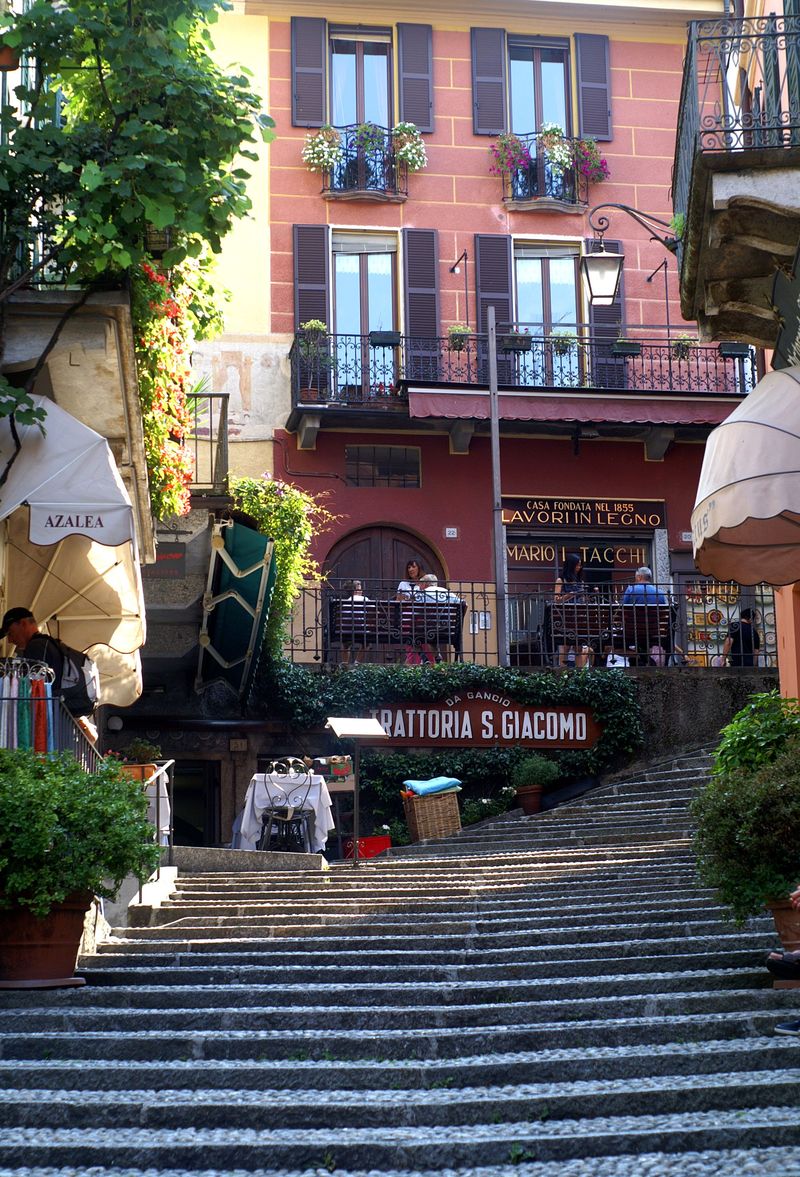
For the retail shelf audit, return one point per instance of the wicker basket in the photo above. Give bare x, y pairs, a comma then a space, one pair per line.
435, 816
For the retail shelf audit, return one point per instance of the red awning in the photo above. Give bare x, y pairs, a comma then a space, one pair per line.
627, 408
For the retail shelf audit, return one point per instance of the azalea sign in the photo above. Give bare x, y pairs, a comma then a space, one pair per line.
487, 719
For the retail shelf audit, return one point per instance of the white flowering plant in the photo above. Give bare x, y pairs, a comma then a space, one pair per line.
322, 149
409, 147
563, 154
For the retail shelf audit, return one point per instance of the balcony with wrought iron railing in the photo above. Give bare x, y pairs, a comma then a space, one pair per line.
375, 370
679, 625
367, 165
738, 140
541, 181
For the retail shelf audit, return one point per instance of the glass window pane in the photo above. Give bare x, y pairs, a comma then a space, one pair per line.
376, 84
347, 294
343, 83
563, 295
554, 102
523, 109
530, 306
380, 292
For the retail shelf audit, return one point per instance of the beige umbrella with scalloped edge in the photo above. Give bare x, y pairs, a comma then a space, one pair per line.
746, 518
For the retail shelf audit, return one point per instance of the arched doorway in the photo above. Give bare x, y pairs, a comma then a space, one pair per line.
377, 556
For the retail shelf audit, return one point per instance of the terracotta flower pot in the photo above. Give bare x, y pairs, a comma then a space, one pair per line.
139, 772
9, 59
530, 798
42, 953
787, 923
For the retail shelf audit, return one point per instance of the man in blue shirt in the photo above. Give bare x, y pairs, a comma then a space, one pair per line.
643, 591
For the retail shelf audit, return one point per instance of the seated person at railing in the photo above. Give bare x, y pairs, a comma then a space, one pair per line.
408, 589
430, 588
570, 587
643, 591
354, 620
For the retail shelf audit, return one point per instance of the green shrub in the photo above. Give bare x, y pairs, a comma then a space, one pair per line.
758, 733
63, 829
535, 770
748, 833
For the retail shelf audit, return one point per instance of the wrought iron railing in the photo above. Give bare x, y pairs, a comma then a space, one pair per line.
542, 178
207, 439
362, 370
740, 92
367, 163
680, 624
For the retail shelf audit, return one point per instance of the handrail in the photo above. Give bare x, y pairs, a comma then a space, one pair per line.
367, 162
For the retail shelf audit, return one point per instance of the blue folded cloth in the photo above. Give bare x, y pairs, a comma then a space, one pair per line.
437, 784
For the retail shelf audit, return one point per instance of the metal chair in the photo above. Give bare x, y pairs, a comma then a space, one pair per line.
285, 822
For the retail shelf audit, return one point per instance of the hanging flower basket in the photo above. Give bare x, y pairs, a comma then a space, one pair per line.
409, 147
322, 150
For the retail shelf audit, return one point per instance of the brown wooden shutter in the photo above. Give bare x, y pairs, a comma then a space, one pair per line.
311, 274
605, 325
488, 81
309, 49
421, 266
594, 86
415, 53
493, 279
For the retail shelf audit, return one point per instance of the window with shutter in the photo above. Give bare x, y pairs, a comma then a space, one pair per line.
488, 81
309, 47
594, 86
415, 51
311, 274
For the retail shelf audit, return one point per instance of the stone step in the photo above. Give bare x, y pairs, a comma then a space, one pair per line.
420, 1147
115, 970
526, 995
605, 1064
734, 1014
261, 1110
396, 949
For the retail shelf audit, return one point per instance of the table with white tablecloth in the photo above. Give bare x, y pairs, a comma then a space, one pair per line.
318, 805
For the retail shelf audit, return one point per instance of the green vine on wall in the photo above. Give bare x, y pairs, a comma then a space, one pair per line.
290, 517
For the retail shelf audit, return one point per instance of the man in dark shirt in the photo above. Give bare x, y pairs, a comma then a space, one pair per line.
19, 625
743, 641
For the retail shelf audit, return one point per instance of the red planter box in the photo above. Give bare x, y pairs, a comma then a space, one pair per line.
367, 847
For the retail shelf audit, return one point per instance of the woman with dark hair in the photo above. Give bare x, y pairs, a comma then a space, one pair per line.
409, 588
570, 587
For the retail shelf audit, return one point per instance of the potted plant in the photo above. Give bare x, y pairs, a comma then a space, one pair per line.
66, 835
748, 815
682, 347
9, 41
563, 342
322, 149
530, 777
557, 148
384, 338
370, 137
409, 147
139, 759
457, 335
509, 154
517, 339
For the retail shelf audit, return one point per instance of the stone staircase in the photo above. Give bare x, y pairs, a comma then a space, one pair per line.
550, 995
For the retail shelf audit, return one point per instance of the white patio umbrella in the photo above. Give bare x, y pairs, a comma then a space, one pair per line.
746, 519
70, 546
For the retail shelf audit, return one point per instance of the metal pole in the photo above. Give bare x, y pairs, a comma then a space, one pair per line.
498, 530
356, 767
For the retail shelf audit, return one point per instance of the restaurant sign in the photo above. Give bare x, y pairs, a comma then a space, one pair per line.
486, 719
647, 514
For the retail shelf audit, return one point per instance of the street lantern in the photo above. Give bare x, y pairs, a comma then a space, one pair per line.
602, 271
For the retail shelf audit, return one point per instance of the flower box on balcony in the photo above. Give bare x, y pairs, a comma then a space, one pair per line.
626, 347
384, 338
732, 350
515, 342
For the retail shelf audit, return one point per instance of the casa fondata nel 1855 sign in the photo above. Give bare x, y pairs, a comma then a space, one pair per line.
486, 719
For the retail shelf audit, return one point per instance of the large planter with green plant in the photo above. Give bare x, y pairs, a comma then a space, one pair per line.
747, 839
530, 778
65, 836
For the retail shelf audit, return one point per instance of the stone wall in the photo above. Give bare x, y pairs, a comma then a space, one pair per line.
684, 709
